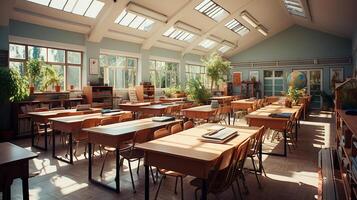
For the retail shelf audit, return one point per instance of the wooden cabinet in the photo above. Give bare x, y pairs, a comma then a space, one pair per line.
145, 93
99, 96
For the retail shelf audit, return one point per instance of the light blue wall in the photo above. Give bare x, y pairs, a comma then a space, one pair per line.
296, 43
4, 37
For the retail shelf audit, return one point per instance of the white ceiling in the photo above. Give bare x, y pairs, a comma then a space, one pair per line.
331, 16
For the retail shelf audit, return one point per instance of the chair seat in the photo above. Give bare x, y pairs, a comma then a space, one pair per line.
171, 173
42, 131
122, 147
133, 154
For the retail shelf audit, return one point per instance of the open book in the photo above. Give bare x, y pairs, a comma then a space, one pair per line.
219, 136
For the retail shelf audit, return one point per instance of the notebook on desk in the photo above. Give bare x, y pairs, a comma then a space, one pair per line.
163, 119
220, 135
280, 115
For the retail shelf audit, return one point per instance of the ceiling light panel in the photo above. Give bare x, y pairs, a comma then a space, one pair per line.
178, 34
207, 44
235, 26
295, 7
134, 21
224, 49
87, 8
212, 10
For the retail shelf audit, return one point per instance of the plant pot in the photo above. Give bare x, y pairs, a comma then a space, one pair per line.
71, 87
32, 89
58, 88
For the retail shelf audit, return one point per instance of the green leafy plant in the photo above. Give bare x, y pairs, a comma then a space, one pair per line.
170, 92
49, 77
294, 94
217, 68
327, 100
33, 71
197, 91
13, 86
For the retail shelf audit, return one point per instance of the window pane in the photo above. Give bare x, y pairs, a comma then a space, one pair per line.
268, 73
278, 73
19, 66
74, 77
55, 55
37, 53
74, 57
17, 51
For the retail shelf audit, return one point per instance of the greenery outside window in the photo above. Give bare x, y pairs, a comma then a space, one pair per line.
197, 72
64, 61
164, 74
119, 71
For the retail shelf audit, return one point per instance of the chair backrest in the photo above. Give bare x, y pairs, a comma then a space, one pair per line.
226, 109
88, 123
141, 136
241, 154
125, 117
176, 128
188, 125
257, 140
162, 132
109, 120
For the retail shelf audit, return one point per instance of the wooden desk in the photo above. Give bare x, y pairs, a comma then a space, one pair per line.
115, 134
261, 117
42, 117
200, 112
272, 99
242, 104
185, 153
171, 100
156, 110
223, 99
133, 107
72, 125
14, 163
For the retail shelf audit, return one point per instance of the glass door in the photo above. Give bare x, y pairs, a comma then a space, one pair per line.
314, 86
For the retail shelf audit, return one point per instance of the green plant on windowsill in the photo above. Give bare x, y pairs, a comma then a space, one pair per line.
33, 72
50, 77
198, 92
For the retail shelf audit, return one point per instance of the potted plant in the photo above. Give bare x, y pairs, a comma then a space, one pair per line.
293, 95
50, 77
217, 69
198, 92
33, 72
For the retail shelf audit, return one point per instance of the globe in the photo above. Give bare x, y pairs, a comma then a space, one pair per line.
297, 80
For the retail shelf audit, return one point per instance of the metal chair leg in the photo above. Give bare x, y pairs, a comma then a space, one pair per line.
181, 187
152, 175
137, 169
255, 172
105, 158
176, 184
131, 176
158, 189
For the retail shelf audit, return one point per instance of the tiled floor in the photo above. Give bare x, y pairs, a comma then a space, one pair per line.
294, 177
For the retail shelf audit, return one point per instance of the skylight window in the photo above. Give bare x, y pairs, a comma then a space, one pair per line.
87, 8
207, 44
212, 10
295, 7
131, 20
178, 34
224, 48
237, 27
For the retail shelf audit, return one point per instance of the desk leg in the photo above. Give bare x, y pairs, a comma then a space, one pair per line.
260, 157
32, 133
53, 144
296, 129
147, 183
71, 149
90, 161
46, 136
285, 144
117, 169
204, 189
25, 183
229, 118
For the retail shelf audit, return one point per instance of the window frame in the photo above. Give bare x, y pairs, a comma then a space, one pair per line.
65, 63
165, 71
273, 79
206, 81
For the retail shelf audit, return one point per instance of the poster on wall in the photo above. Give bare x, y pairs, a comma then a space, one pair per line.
336, 75
254, 75
93, 66
237, 78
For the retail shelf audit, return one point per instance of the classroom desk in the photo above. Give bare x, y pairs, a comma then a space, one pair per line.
72, 125
199, 112
155, 110
115, 134
133, 107
261, 117
242, 104
223, 99
183, 152
14, 163
42, 117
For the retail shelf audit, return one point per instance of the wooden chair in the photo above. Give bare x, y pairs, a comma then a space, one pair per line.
65, 114
220, 178
39, 127
176, 128
256, 142
241, 156
165, 172
187, 125
132, 154
126, 117
109, 120
82, 136
289, 132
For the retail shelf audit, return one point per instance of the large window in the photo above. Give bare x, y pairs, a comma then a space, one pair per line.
273, 82
197, 72
164, 74
67, 63
119, 71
